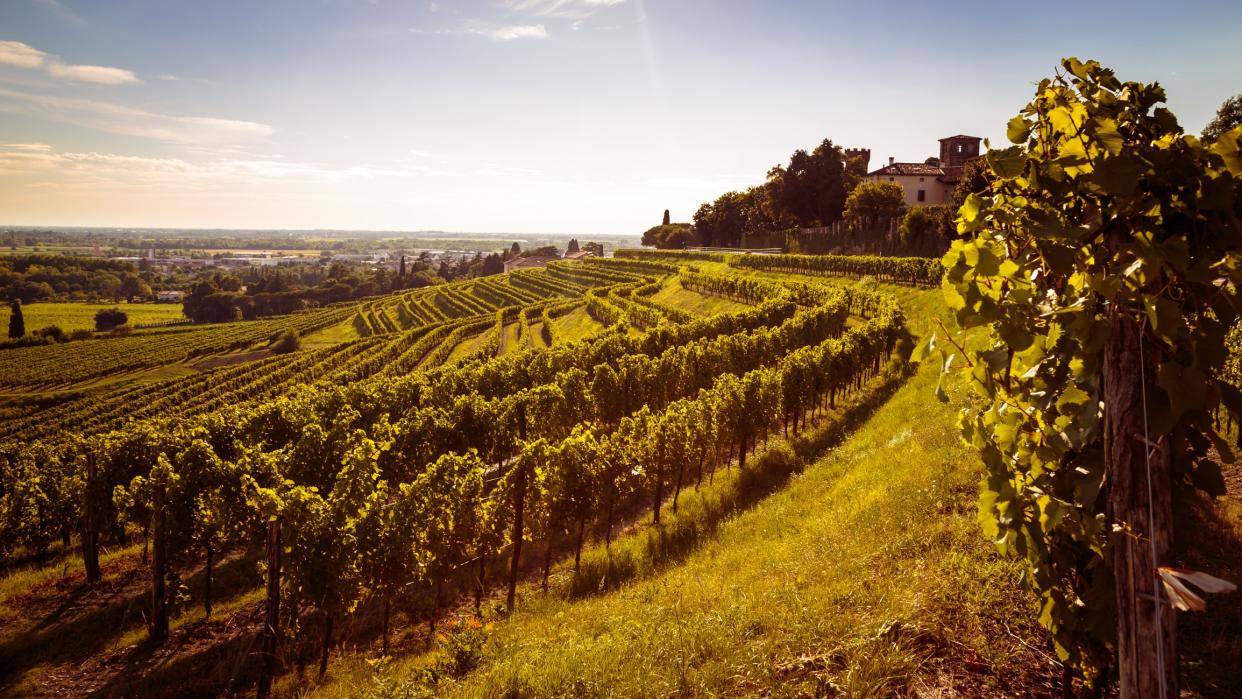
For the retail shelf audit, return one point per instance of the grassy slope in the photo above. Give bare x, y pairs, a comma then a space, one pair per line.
673, 294
867, 573
81, 316
575, 325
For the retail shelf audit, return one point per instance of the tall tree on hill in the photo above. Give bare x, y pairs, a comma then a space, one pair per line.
401, 272
17, 322
572, 247
1227, 117
811, 189
667, 220
515, 249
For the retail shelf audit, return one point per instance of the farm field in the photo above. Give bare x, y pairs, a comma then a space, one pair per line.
721, 477
81, 315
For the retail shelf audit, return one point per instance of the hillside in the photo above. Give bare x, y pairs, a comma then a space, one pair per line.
814, 529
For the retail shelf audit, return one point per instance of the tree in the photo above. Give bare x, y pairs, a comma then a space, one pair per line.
665, 222
17, 321
811, 189
401, 270
932, 161
1104, 262
1227, 117
515, 250
287, 342
673, 236
596, 248
110, 318
872, 201
976, 176
572, 247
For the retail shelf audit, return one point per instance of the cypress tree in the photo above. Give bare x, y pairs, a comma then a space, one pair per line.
401, 274
666, 218
17, 323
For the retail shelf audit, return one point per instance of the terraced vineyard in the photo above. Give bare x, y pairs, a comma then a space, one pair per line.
421, 458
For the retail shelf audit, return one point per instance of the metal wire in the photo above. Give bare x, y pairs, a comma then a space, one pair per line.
1151, 518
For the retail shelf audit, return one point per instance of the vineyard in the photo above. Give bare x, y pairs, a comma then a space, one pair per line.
463, 432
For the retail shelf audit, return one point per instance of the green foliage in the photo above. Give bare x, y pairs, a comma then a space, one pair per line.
287, 342
670, 236
17, 321
871, 201
810, 190
1227, 118
110, 318
1101, 203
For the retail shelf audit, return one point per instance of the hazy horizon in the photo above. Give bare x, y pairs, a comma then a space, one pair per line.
525, 116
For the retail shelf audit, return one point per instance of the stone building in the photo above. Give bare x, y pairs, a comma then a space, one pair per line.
929, 185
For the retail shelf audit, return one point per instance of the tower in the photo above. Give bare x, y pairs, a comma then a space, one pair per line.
955, 153
858, 155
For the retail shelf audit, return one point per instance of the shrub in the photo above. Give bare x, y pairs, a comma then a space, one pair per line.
52, 332
110, 318
287, 342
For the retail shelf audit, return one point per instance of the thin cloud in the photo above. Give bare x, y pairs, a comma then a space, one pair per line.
67, 169
16, 53
102, 75
568, 9
63, 12
524, 31
129, 121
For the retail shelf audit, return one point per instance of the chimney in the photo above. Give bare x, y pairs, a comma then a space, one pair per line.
891, 159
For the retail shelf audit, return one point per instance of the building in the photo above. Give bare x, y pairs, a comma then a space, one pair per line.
531, 262
581, 254
929, 185
170, 296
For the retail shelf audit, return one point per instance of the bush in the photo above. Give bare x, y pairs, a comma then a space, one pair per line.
52, 332
110, 318
287, 342
121, 330
81, 334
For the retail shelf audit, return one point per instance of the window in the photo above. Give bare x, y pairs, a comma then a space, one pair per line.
959, 148
891, 179
922, 195
920, 179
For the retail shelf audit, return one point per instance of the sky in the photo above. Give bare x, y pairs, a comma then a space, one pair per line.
524, 116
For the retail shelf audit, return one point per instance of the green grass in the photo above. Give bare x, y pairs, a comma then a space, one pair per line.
81, 315
865, 574
575, 325
511, 343
674, 294
468, 346
334, 335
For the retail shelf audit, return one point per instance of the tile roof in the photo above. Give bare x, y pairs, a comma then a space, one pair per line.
950, 138
920, 169
532, 261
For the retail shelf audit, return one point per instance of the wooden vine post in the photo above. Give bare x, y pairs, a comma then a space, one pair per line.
90, 523
1140, 507
271, 617
159, 550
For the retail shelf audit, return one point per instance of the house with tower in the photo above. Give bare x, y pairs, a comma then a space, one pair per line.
927, 185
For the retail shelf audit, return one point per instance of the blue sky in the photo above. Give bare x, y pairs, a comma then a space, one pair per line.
557, 116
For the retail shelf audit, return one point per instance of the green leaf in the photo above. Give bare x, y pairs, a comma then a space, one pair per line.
1018, 129
1007, 163
924, 348
968, 213
1119, 174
